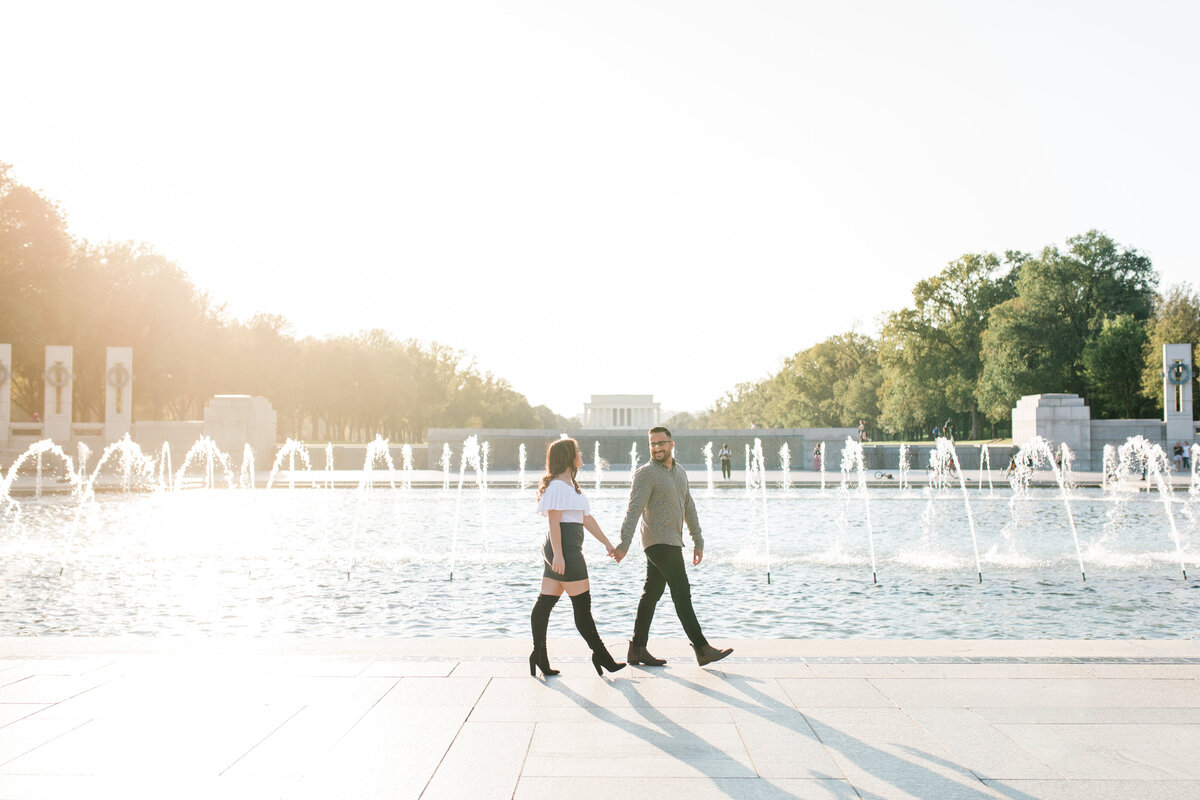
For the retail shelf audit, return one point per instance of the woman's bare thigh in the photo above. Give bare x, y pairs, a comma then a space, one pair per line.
572, 588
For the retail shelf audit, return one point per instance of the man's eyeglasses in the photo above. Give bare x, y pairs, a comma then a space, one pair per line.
663, 443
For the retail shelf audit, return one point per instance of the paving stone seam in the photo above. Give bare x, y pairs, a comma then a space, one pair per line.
48, 741
951, 757
433, 773
466, 718
998, 730
524, 758
1019, 746
824, 745
257, 744
829, 754
746, 748
363, 715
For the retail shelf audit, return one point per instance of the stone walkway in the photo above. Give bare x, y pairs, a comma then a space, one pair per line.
437, 718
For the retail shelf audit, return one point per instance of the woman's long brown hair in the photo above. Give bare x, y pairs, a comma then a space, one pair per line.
560, 458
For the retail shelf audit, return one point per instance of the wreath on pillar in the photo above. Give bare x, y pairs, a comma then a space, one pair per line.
1179, 374
118, 376
58, 376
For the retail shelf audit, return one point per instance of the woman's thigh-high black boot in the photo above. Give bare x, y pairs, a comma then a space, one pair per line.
601, 659
539, 620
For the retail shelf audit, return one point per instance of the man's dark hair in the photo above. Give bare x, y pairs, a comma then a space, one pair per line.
660, 429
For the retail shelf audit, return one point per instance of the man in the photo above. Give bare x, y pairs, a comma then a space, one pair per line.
726, 461
659, 504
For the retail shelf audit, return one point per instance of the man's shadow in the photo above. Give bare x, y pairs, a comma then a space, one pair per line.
743, 694
672, 738
905, 774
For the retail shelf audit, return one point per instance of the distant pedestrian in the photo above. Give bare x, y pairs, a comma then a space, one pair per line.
862, 431
726, 461
817, 458
1012, 466
1177, 457
936, 432
948, 428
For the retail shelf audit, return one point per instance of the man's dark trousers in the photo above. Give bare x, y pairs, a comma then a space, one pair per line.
664, 567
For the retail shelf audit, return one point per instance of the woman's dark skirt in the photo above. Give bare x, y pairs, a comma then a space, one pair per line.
572, 550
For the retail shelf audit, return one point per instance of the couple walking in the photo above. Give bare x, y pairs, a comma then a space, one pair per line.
659, 504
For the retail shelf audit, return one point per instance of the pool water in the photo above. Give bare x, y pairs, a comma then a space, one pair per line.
377, 563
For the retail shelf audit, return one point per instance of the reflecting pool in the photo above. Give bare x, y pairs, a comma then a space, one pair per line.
377, 562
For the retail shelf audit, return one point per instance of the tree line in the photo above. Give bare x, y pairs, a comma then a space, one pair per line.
55, 289
1085, 318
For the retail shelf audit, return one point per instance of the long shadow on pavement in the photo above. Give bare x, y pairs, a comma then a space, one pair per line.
905, 775
670, 738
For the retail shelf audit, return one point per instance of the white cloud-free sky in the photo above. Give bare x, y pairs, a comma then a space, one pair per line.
617, 197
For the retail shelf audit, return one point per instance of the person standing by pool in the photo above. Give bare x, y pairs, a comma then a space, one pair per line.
659, 504
726, 461
562, 502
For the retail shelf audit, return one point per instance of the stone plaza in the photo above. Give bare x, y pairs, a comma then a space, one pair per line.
379, 718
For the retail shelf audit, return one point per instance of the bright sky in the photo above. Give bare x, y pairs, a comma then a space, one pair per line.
618, 197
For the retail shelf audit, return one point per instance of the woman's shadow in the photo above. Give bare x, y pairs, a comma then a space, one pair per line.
676, 741
742, 694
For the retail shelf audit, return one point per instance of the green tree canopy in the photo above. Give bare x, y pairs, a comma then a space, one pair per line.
930, 352
1034, 342
1112, 367
1176, 320
833, 383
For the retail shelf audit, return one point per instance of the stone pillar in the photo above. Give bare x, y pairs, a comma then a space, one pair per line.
1177, 394
6, 370
56, 406
1056, 418
233, 421
118, 393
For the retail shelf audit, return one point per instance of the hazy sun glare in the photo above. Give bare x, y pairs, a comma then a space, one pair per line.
485, 174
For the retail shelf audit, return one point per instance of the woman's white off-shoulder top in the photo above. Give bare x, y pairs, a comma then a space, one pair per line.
561, 496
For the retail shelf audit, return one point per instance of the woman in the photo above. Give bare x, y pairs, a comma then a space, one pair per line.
562, 502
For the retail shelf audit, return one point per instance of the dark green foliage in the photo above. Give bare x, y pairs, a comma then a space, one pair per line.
978, 336
1176, 319
930, 352
1112, 369
1034, 343
832, 383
